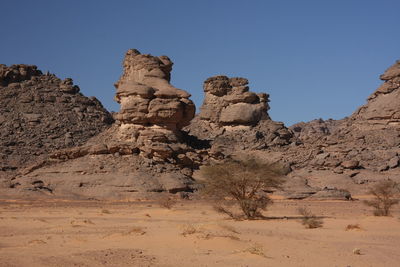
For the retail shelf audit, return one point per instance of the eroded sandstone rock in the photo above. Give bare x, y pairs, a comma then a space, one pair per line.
152, 110
383, 105
232, 117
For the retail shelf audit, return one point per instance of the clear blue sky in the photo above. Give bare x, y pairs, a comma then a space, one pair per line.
315, 58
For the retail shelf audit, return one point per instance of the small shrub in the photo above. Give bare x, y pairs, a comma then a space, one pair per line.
243, 181
229, 228
386, 195
309, 220
105, 211
256, 249
189, 229
353, 227
166, 201
136, 230
357, 251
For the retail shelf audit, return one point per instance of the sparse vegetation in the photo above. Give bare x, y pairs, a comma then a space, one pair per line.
246, 182
189, 229
353, 227
105, 211
386, 195
229, 228
256, 249
309, 220
166, 201
136, 230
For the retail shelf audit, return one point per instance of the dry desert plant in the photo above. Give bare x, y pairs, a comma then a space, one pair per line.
386, 195
166, 201
256, 249
105, 211
229, 228
309, 220
136, 230
243, 181
189, 229
353, 227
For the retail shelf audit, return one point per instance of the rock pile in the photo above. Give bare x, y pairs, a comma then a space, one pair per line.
40, 113
232, 117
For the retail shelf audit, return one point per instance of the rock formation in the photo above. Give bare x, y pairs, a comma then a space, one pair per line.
152, 110
234, 118
355, 151
40, 113
383, 105
142, 152
155, 145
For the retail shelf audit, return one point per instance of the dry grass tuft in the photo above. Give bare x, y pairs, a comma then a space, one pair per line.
353, 227
189, 229
105, 211
309, 220
229, 228
256, 249
166, 201
137, 230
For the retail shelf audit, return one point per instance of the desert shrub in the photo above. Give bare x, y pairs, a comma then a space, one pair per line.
189, 229
243, 181
256, 249
386, 195
166, 201
353, 227
309, 220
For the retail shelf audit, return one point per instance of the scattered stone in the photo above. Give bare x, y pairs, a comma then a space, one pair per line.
40, 114
350, 164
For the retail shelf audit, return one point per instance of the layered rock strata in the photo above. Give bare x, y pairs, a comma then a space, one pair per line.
383, 105
232, 117
152, 110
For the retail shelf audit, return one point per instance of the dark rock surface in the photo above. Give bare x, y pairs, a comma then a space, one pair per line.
40, 113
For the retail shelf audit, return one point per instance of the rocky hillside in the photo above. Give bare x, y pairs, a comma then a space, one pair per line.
143, 152
40, 113
157, 144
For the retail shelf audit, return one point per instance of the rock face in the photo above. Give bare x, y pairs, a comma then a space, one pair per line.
40, 113
152, 110
234, 118
355, 151
229, 102
383, 105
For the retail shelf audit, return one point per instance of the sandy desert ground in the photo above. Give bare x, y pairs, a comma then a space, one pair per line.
79, 233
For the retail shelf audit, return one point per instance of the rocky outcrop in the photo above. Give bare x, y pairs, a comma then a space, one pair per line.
40, 113
232, 118
141, 153
152, 110
17, 73
229, 102
146, 95
383, 105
